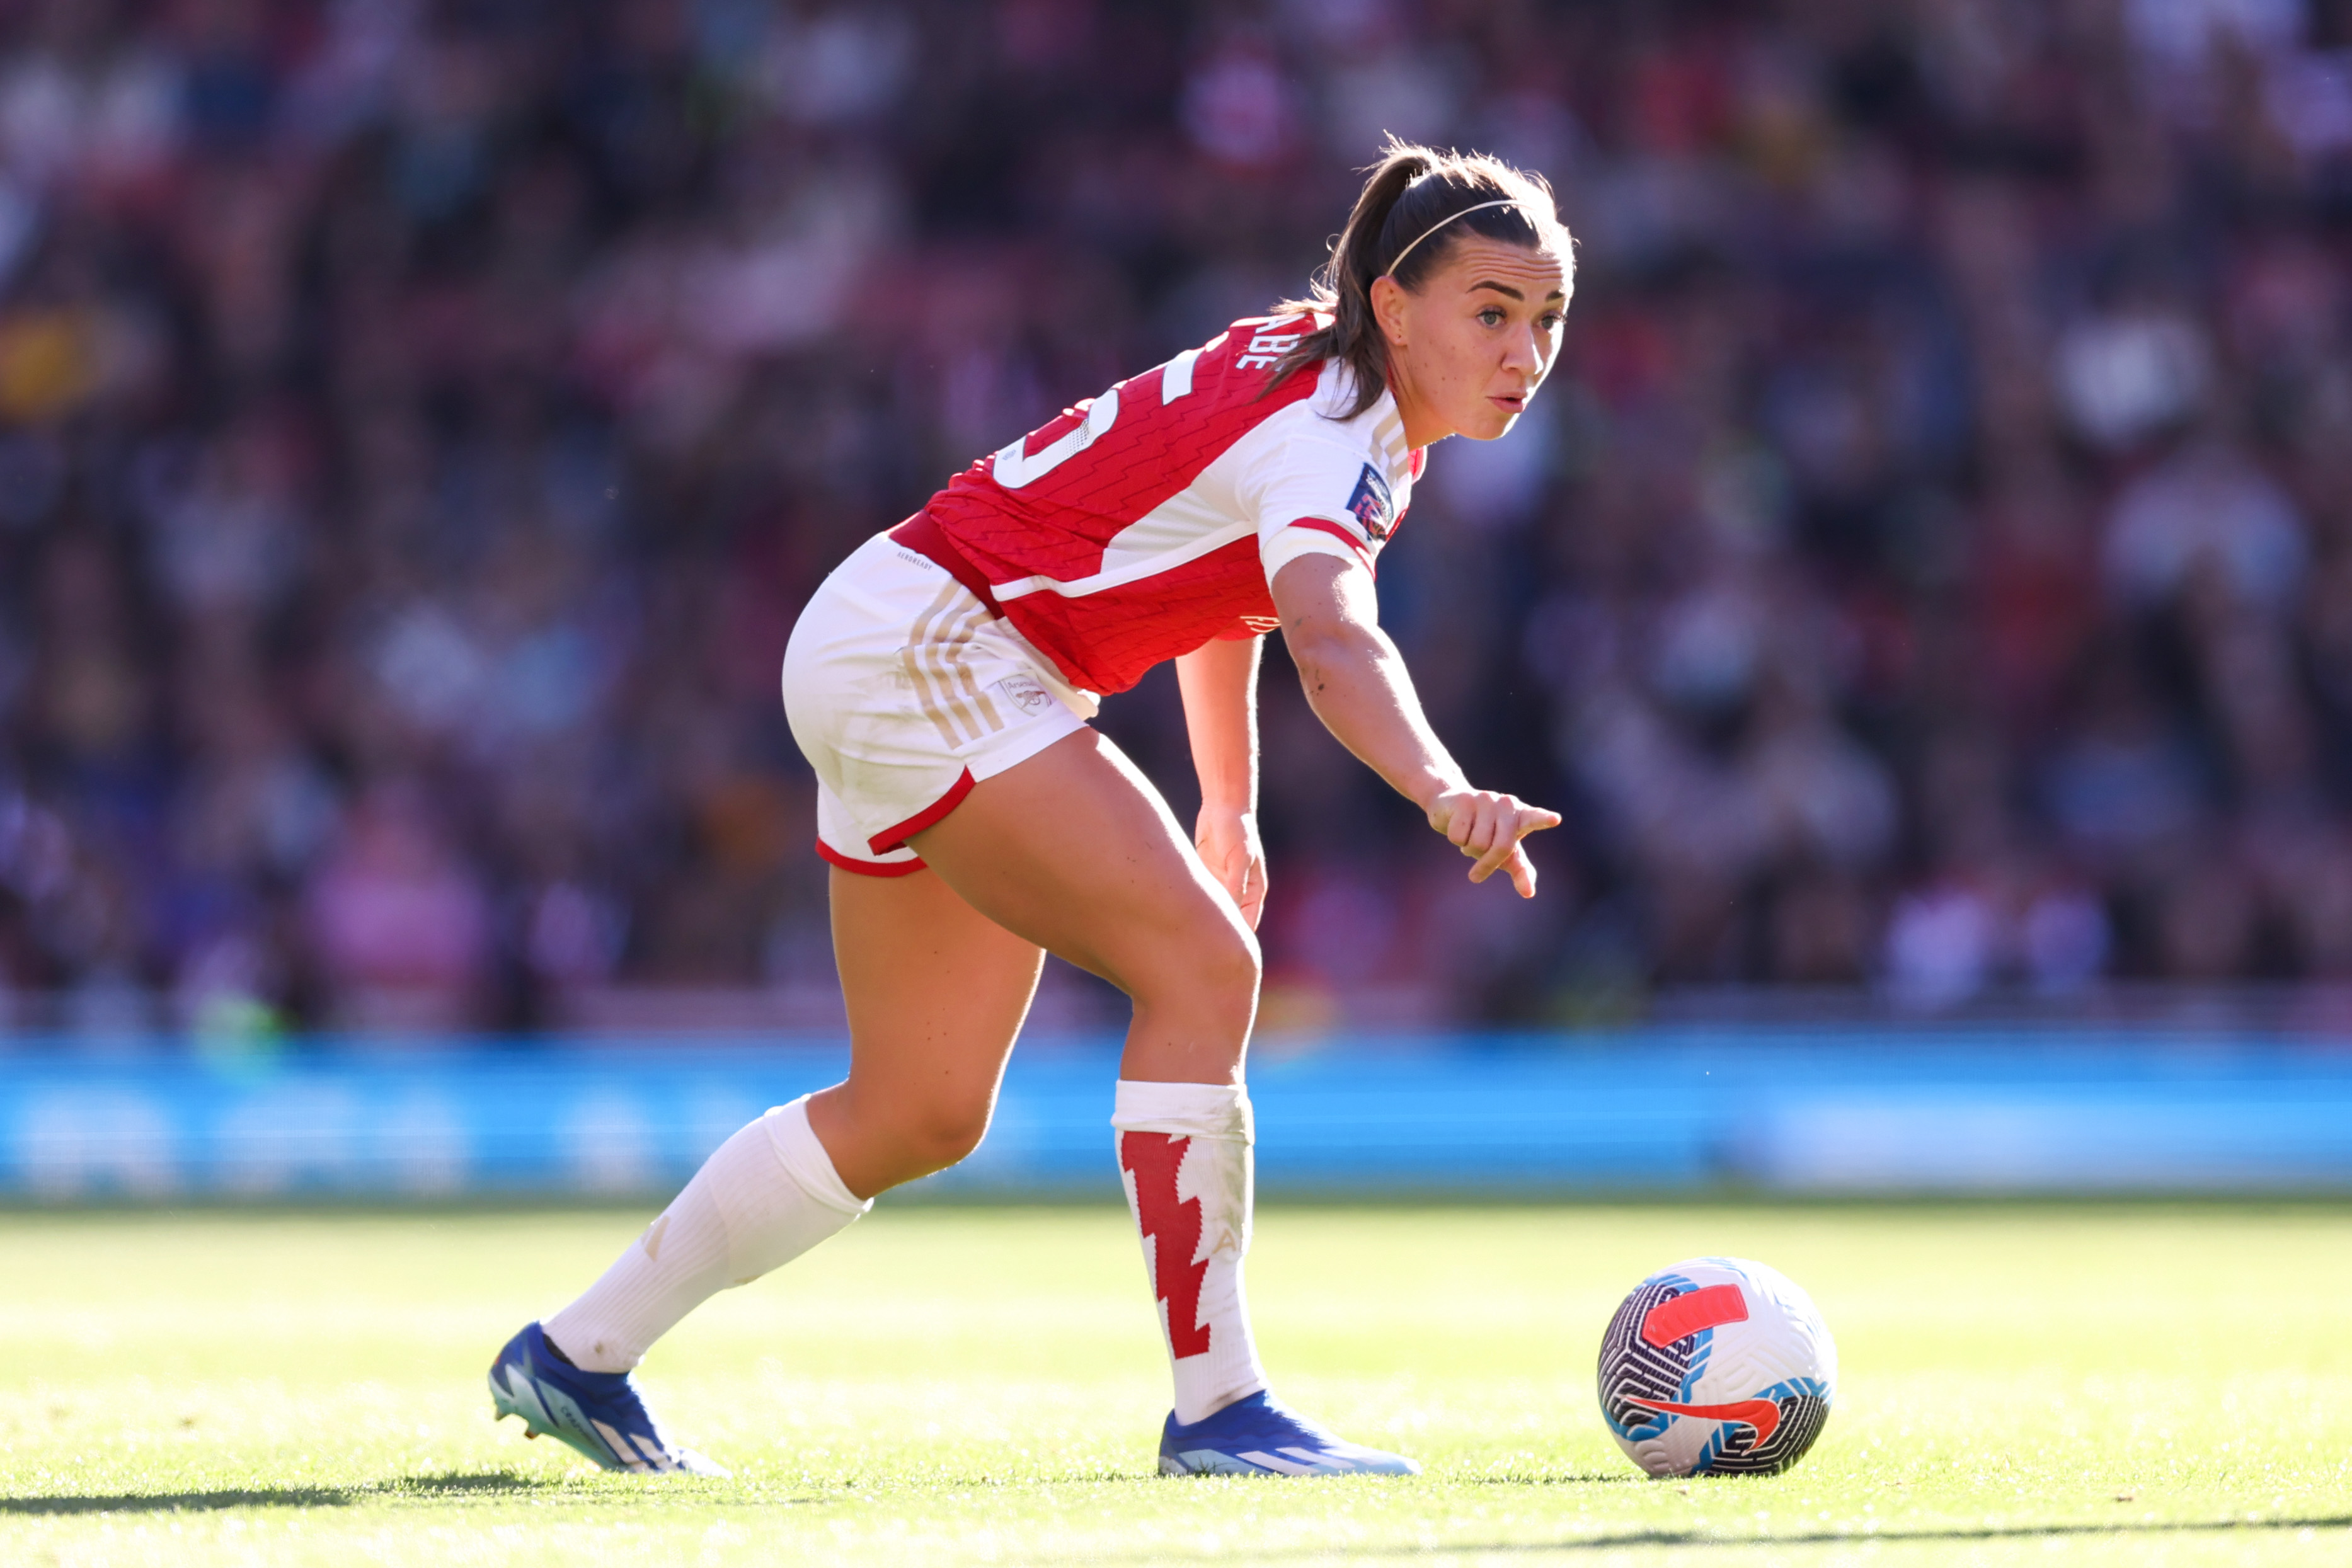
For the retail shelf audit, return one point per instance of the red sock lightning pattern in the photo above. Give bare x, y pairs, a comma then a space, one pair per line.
1175, 1227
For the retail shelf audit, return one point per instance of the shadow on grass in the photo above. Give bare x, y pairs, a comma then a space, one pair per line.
1618, 1541
1552, 1478
486, 1483
184, 1501
489, 1483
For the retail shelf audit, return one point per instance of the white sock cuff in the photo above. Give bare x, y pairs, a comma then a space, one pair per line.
1187, 1110
802, 1155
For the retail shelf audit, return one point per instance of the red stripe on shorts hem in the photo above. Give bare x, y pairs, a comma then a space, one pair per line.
889, 839
869, 868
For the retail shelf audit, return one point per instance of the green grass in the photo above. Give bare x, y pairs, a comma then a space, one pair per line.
2092, 1383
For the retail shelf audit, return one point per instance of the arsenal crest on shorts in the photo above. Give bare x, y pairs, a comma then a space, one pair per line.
1371, 502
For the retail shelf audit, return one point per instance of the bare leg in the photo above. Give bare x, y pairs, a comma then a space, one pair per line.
935, 993
1076, 851
1072, 851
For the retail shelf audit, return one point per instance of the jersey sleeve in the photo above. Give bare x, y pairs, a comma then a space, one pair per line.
1310, 494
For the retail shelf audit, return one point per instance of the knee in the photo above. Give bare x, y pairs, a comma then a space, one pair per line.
881, 1137
1237, 966
1222, 966
934, 1135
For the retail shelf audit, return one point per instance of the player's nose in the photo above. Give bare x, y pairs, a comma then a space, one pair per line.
1522, 354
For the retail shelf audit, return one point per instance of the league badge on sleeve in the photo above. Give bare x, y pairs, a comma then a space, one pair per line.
1372, 505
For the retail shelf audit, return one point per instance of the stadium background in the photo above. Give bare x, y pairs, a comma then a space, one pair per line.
1926, 583
1925, 586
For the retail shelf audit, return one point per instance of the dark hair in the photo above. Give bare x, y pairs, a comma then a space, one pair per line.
1407, 196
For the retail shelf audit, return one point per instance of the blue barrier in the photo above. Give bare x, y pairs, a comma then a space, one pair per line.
1666, 1110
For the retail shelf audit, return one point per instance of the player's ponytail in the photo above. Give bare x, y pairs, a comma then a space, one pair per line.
1344, 287
1414, 194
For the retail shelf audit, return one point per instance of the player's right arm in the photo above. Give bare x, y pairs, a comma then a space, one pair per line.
1219, 683
1358, 688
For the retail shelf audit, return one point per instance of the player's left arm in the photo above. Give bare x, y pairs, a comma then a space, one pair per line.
1218, 681
1358, 687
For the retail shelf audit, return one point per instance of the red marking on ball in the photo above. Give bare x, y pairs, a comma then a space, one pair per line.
1679, 1317
1763, 1415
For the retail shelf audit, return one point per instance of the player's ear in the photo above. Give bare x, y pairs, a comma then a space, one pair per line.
1388, 298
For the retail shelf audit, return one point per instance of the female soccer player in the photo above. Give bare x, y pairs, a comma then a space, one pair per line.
941, 682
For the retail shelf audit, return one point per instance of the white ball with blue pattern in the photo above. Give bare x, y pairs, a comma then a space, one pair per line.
1717, 1366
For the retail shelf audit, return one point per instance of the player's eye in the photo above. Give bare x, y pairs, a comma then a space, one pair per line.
1491, 317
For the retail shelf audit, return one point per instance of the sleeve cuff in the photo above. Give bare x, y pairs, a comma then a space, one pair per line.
1310, 536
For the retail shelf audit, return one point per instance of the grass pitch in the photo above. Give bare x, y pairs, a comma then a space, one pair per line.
2100, 1383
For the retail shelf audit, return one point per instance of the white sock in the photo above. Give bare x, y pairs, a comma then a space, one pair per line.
768, 1194
1184, 1158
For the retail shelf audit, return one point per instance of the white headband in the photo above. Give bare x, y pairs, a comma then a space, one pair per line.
1505, 202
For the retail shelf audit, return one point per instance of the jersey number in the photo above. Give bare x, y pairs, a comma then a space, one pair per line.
1014, 467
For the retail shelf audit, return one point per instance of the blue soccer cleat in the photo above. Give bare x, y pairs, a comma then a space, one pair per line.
1255, 1437
598, 1413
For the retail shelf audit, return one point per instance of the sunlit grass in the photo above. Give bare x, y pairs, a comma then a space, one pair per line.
2113, 1384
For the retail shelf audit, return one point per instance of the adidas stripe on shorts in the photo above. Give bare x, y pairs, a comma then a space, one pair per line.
903, 692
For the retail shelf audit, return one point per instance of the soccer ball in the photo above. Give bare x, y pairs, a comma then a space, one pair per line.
1717, 1366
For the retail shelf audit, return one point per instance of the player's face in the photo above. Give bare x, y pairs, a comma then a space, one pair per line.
1471, 346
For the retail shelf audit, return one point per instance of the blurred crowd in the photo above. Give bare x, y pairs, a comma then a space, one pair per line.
1929, 567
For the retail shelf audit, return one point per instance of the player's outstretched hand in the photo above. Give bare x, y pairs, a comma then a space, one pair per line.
1487, 826
1231, 849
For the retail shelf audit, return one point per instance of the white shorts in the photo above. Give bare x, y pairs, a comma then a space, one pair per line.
904, 692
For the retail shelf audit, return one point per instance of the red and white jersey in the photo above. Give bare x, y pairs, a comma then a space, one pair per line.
1148, 520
